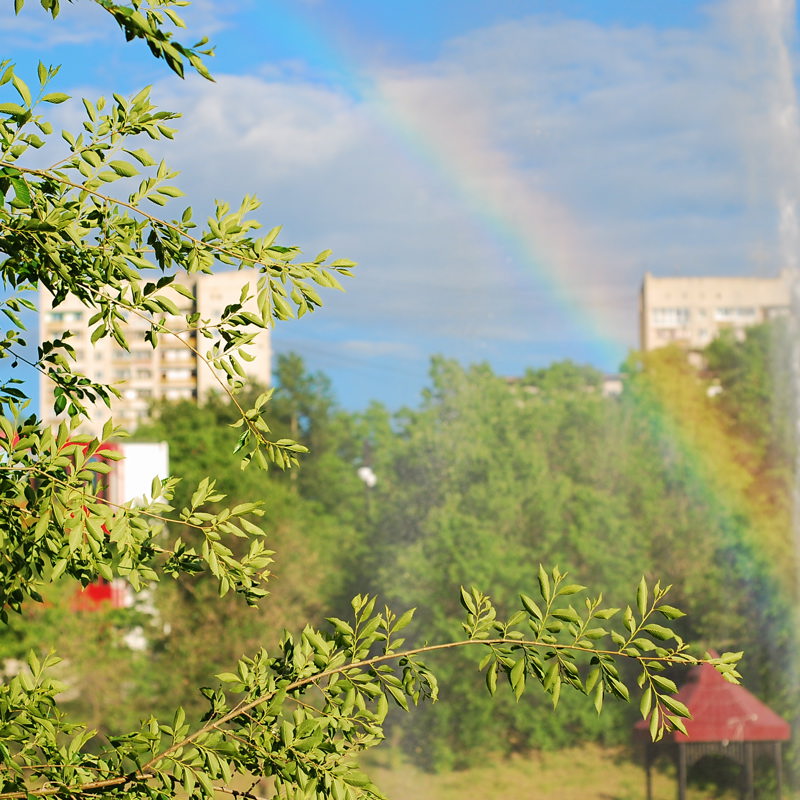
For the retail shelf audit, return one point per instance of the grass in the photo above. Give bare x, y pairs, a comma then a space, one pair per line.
585, 773
589, 772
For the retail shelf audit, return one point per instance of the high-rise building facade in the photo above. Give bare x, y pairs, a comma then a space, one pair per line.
691, 312
143, 374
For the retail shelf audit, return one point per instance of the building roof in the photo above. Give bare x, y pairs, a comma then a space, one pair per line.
724, 712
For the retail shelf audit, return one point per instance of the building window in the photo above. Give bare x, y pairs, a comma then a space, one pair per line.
178, 394
670, 317
178, 374
743, 314
64, 316
176, 355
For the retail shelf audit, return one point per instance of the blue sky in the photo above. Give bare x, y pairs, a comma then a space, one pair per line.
504, 172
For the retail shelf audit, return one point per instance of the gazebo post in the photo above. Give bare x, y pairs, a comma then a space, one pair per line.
778, 768
648, 764
749, 789
681, 771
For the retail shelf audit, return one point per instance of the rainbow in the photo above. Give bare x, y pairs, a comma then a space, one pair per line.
538, 242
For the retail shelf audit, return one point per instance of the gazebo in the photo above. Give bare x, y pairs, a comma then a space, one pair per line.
726, 720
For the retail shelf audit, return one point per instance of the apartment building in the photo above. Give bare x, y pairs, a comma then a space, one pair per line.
691, 312
143, 374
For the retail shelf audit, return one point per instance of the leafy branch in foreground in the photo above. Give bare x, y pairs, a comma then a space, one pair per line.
54, 522
303, 714
60, 231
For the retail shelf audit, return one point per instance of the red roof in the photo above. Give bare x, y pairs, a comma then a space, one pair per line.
724, 712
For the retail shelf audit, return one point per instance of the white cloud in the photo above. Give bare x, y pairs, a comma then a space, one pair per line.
79, 23
371, 348
281, 129
207, 17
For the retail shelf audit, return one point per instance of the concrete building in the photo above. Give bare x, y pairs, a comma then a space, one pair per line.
691, 312
143, 374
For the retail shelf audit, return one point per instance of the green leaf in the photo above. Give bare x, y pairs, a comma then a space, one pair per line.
56, 97
646, 702
123, 168
58, 569
356, 778
517, 678
659, 632
491, 678
142, 156
468, 602
571, 588
544, 584
670, 612
42, 525
619, 688
566, 614
641, 597
21, 191
664, 683
23, 90
404, 620
677, 723
606, 613
171, 191
654, 724
14, 109
598, 697
675, 706
531, 607
556, 691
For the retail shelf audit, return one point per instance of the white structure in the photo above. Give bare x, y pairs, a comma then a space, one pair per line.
132, 476
172, 371
691, 312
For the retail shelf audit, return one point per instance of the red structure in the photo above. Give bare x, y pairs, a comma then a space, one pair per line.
98, 594
726, 720
101, 592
